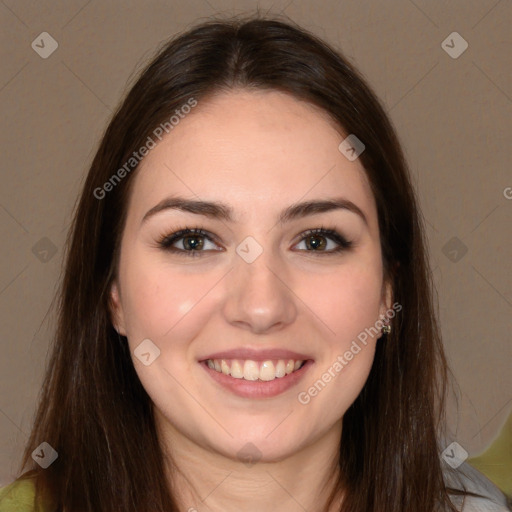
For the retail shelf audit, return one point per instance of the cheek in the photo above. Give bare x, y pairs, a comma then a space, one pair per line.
348, 307
160, 302
347, 301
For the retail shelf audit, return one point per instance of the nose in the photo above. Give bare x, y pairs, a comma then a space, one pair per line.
259, 298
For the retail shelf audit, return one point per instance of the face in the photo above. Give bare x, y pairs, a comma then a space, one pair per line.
254, 286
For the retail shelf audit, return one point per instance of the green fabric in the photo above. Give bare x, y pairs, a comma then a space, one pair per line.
496, 462
17, 497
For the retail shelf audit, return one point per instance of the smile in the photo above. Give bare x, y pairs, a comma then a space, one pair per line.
255, 370
247, 378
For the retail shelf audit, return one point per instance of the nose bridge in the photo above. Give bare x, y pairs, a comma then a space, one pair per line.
258, 297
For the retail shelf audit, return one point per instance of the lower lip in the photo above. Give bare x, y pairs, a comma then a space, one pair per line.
258, 388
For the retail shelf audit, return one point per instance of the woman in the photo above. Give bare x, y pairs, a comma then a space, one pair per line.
246, 315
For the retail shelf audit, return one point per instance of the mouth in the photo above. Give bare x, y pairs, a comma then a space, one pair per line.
249, 378
255, 370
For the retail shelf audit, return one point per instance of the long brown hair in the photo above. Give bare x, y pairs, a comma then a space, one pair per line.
93, 409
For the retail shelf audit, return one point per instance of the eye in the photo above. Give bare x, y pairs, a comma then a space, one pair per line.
188, 242
194, 241
317, 241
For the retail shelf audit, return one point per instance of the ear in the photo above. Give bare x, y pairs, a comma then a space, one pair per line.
386, 297
116, 310
386, 300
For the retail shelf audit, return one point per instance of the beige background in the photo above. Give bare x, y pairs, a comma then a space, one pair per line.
453, 116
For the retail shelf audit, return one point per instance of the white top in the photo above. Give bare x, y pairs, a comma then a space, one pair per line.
466, 476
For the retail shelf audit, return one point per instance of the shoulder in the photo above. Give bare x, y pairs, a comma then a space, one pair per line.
19, 496
466, 477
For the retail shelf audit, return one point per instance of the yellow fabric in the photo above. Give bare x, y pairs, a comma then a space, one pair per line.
19, 497
496, 462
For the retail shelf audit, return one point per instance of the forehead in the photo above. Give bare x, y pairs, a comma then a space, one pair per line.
256, 150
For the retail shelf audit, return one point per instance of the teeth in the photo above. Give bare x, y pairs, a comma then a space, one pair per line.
225, 367
254, 370
268, 371
280, 369
251, 370
236, 370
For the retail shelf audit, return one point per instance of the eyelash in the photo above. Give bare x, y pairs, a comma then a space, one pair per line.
165, 242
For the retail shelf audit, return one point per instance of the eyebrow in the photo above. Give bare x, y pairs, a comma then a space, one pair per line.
222, 211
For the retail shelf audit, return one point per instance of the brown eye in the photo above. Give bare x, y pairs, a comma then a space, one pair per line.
188, 242
324, 241
193, 242
315, 242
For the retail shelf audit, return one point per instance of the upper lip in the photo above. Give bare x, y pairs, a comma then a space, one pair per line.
257, 355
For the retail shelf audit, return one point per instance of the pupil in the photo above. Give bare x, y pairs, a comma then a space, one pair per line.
311, 242
192, 242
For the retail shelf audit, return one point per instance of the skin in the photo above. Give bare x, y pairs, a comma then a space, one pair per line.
258, 152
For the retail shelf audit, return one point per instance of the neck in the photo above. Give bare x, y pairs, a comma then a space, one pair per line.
203, 479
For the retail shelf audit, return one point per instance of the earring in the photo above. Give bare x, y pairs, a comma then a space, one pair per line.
386, 329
